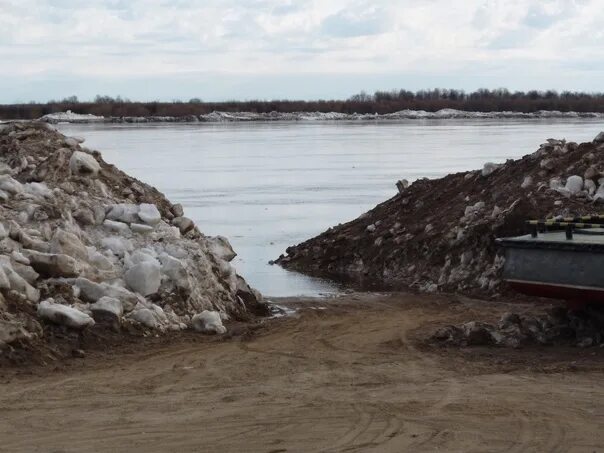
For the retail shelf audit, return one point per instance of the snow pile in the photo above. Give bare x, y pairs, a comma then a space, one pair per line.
440, 234
71, 117
84, 246
218, 116
401, 115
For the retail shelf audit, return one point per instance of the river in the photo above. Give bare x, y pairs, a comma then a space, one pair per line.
270, 185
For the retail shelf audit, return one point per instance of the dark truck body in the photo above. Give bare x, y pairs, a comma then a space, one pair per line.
557, 264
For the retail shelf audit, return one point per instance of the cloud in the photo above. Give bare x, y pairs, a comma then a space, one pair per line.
349, 23
430, 40
512, 39
545, 14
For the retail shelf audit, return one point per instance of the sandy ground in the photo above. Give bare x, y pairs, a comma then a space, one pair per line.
356, 376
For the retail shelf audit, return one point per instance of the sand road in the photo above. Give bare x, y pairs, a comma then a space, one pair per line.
354, 377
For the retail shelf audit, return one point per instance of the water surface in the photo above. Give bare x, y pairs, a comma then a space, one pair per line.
270, 185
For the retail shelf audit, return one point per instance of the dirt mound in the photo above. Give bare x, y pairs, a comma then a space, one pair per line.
439, 234
560, 326
83, 246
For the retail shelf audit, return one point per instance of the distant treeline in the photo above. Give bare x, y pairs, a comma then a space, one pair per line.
381, 102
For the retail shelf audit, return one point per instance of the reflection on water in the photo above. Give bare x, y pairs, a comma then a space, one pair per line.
270, 185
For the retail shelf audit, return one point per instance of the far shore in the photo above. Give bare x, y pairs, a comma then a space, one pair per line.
221, 116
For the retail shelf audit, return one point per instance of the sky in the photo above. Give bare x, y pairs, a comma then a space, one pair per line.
296, 49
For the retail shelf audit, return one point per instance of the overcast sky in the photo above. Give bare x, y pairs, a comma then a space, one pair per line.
269, 49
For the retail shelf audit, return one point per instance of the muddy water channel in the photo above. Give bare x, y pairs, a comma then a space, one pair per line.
270, 185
